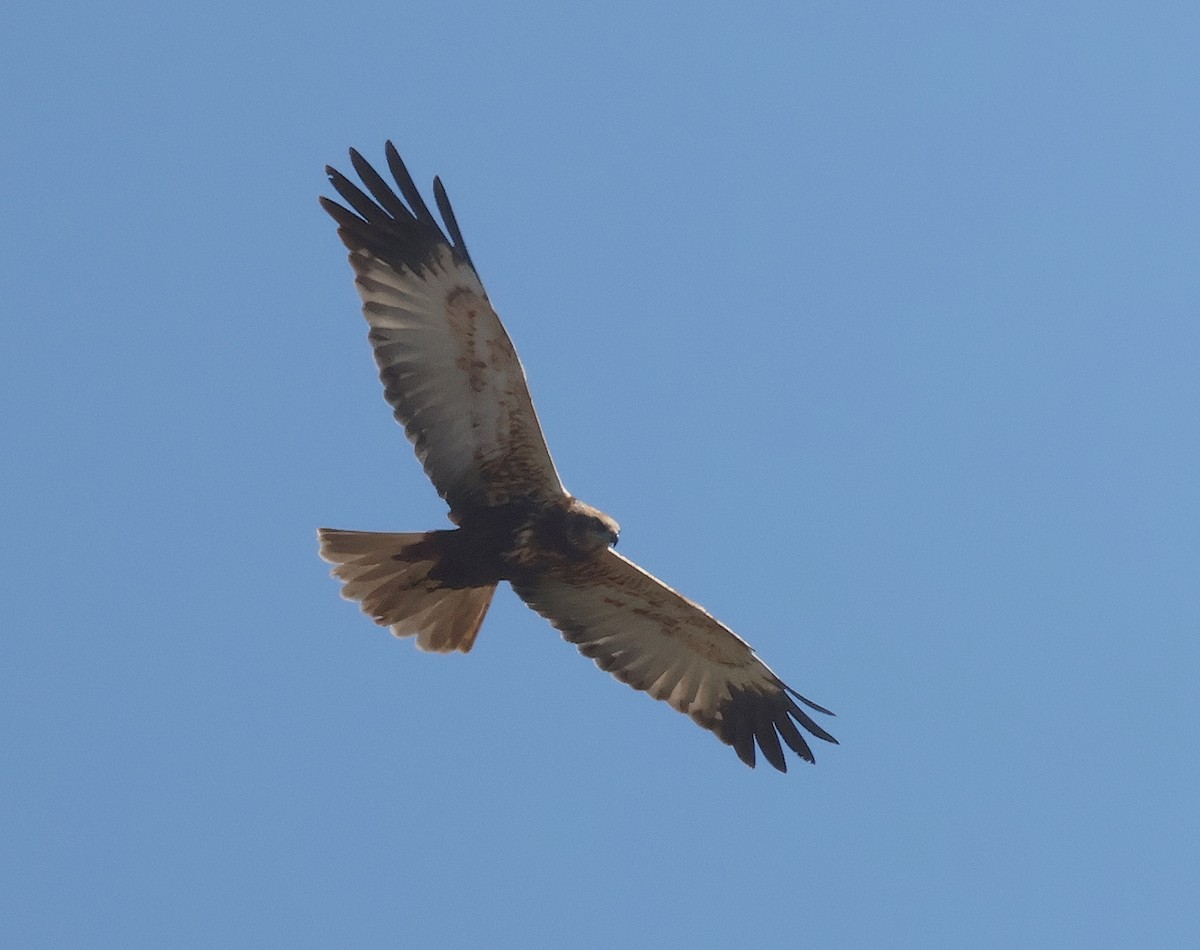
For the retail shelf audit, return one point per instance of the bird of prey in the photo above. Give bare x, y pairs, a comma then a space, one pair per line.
452, 377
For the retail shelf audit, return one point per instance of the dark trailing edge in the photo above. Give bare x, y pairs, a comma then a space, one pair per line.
405, 236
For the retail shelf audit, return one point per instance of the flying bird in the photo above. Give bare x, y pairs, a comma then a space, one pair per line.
453, 380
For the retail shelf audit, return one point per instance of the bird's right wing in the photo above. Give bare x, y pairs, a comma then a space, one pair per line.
448, 367
647, 635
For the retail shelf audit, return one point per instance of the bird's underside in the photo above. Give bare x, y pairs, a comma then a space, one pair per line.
455, 383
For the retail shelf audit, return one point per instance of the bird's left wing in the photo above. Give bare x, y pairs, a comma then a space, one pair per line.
647, 635
448, 367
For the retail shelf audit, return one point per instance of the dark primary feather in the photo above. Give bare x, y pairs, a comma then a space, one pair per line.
766, 717
443, 203
408, 187
380, 189
403, 235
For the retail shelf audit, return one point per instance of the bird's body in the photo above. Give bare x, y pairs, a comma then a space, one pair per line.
455, 383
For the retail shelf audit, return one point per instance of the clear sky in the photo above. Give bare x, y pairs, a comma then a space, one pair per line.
875, 326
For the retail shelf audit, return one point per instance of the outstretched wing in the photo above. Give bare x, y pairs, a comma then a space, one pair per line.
654, 639
448, 368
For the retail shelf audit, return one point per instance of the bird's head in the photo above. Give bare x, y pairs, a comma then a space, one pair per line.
589, 529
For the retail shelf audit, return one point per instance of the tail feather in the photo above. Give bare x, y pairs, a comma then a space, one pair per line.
389, 575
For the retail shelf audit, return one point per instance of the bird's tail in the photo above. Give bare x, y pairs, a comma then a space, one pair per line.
389, 574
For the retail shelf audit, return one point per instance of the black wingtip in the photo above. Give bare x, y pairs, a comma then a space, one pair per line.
768, 739
404, 233
447, 213
743, 745
750, 719
808, 702
408, 187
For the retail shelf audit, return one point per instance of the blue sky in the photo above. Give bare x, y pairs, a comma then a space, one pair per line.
874, 325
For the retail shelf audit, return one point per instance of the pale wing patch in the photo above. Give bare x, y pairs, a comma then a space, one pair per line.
645, 633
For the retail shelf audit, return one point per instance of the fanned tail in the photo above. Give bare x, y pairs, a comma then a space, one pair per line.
389, 575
